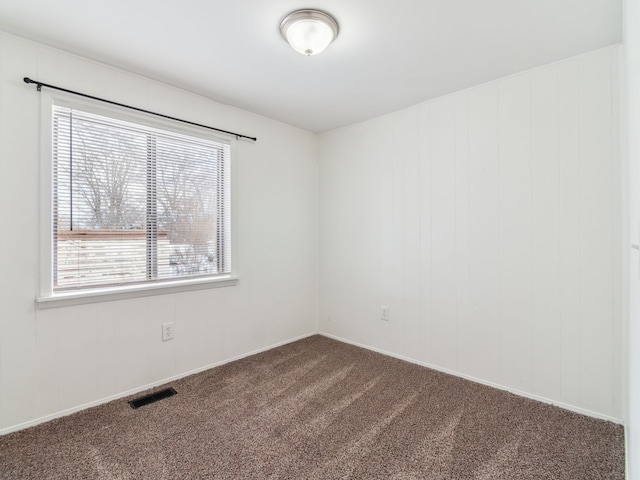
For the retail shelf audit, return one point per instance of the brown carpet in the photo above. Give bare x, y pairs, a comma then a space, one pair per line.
320, 409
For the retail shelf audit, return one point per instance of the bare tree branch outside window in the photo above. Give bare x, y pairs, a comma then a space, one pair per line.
102, 186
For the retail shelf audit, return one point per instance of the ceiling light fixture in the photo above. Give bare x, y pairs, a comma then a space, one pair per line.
309, 31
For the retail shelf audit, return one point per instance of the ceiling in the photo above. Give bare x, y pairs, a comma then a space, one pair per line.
388, 55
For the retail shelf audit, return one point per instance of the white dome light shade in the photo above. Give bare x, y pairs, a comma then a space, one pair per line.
309, 32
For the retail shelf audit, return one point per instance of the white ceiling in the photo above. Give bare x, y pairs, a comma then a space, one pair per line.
388, 55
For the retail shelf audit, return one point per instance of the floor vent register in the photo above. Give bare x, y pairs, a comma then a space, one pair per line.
152, 398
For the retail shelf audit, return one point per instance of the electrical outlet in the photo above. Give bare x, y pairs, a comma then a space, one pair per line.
167, 331
385, 313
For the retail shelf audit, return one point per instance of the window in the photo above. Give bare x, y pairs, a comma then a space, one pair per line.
132, 204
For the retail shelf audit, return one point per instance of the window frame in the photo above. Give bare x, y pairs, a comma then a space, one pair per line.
46, 297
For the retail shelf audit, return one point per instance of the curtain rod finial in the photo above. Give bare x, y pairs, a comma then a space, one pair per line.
28, 80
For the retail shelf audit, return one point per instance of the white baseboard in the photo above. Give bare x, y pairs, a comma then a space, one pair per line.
626, 453
64, 413
127, 393
520, 393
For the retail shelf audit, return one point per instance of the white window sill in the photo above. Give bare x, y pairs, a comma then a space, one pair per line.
96, 295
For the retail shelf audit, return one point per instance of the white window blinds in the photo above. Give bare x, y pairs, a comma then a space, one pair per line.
133, 203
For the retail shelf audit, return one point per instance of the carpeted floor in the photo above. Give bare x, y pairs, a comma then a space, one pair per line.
320, 409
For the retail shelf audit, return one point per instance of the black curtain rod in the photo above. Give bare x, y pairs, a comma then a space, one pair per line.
41, 84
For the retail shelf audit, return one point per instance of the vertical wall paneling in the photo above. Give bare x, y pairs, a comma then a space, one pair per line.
3, 204
367, 305
596, 227
518, 222
78, 344
327, 304
631, 168
397, 224
426, 310
545, 229
443, 232
107, 338
18, 342
619, 191
358, 290
131, 349
199, 316
411, 231
48, 348
161, 360
569, 212
484, 233
385, 183
75, 73
516, 329
368, 273
462, 239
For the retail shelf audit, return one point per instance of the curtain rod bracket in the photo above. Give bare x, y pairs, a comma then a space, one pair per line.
39, 86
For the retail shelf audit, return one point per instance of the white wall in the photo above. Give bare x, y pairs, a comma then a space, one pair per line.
59, 359
490, 222
632, 82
